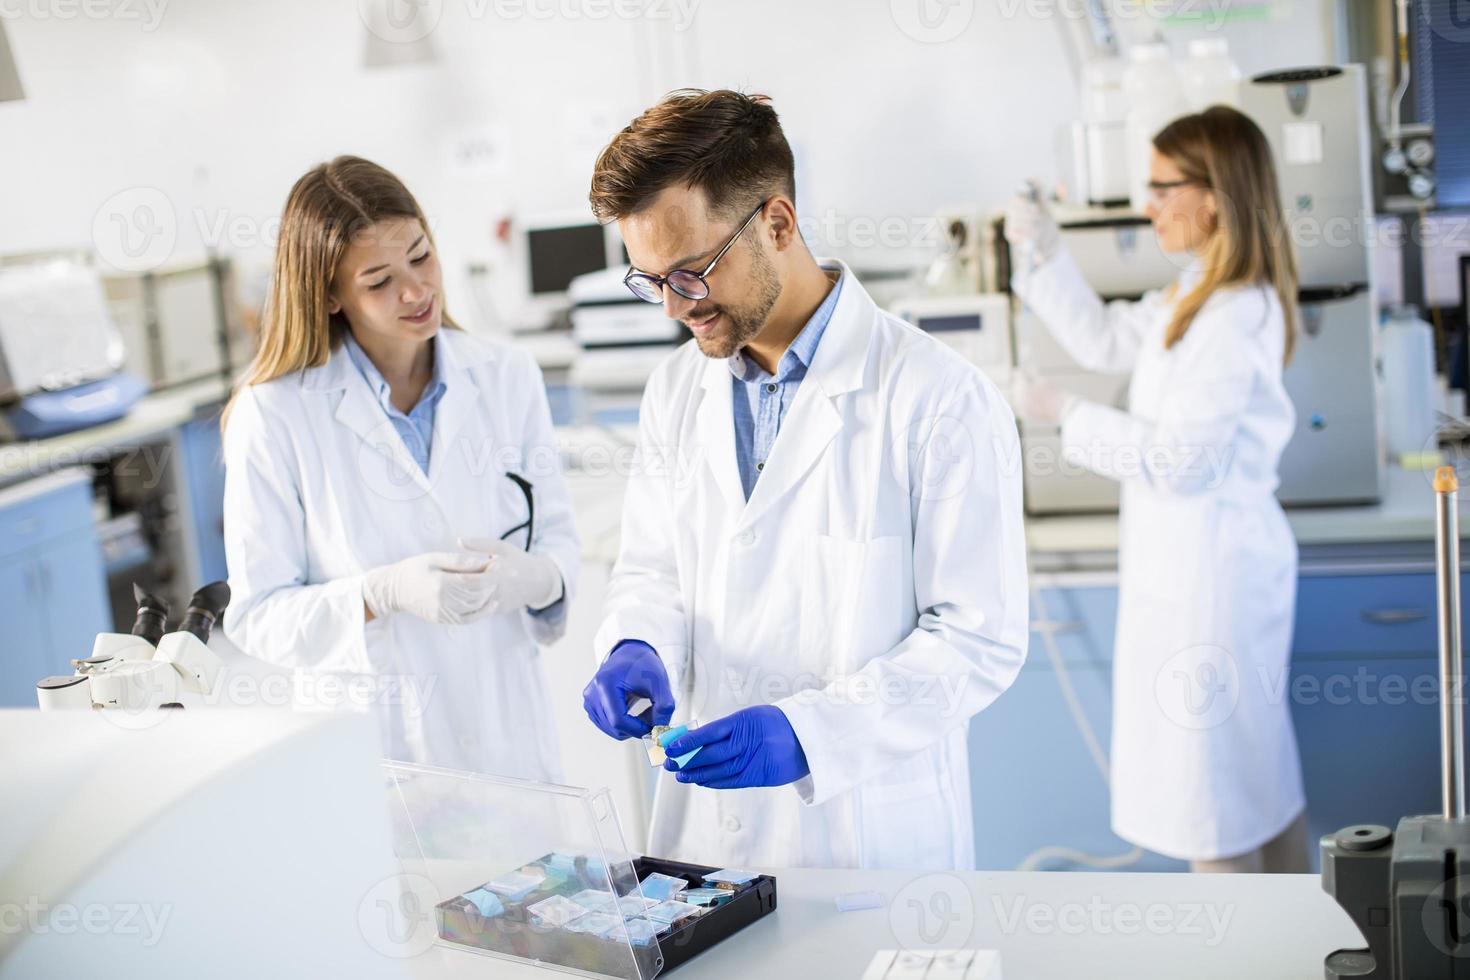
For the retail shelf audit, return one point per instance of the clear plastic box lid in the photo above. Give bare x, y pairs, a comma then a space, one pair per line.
523, 871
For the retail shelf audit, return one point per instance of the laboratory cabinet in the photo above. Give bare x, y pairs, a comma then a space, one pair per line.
1364, 699
203, 471
53, 590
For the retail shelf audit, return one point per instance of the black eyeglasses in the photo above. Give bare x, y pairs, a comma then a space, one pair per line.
685, 282
1160, 191
529, 524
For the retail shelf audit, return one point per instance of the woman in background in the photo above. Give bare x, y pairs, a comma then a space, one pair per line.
1204, 760
395, 516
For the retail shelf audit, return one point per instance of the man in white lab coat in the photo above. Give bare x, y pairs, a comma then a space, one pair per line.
822, 568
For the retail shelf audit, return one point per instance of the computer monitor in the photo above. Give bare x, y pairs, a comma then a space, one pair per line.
558, 251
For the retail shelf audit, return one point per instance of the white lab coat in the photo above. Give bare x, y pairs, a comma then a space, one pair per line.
1204, 759
873, 587
319, 488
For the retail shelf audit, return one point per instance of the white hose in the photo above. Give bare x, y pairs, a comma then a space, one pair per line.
1037, 858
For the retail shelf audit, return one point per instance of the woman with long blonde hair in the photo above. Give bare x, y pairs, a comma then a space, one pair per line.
1204, 759
397, 527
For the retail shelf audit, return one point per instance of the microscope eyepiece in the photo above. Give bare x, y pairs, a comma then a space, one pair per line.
205, 607
151, 621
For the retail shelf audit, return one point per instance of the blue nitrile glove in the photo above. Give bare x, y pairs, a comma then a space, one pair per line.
752, 747
631, 671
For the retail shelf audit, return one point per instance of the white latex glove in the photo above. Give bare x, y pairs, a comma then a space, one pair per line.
1039, 402
516, 579
441, 587
1031, 230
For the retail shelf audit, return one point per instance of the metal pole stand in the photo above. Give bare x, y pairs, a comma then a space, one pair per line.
1409, 890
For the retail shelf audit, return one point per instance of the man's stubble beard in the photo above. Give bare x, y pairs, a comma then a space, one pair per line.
742, 325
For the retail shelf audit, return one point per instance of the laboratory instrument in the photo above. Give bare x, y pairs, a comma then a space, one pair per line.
977, 326
208, 838
180, 324
1405, 888
149, 667
957, 269
622, 338
1119, 256
61, 355
1414, 56
1316, 120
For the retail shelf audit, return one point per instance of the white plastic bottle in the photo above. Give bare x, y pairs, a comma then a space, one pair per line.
1407, 349
1210, 75
1104, 149
1155, 99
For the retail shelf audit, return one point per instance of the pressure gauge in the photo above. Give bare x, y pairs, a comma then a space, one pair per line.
1421, 186
1420, 152
1394, 161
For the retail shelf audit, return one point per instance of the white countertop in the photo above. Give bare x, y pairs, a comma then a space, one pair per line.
1406, 513
152, 416
1127, 926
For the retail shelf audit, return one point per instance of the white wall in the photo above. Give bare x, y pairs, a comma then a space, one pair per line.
207, 110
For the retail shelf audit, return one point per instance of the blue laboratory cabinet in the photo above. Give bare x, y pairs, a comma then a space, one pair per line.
53, 586
204, 476
1363, 690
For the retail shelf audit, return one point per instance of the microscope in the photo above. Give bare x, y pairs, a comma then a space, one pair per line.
1408, 890
150, 667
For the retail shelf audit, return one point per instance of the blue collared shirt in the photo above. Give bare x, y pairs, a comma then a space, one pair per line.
416, 428
761, 400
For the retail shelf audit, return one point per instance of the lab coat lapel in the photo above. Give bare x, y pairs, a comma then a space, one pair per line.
456, 414
806, 432
360, 412
815, 419
716, 424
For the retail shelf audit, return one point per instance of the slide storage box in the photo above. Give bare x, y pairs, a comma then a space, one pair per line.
539, 873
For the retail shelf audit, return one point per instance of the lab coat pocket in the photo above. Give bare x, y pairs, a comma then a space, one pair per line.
905, 815
851, 601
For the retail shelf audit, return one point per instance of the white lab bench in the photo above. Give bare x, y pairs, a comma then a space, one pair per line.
1406, 513
1099, 926
153, 416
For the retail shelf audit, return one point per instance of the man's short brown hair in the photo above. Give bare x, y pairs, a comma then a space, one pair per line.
725, 143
